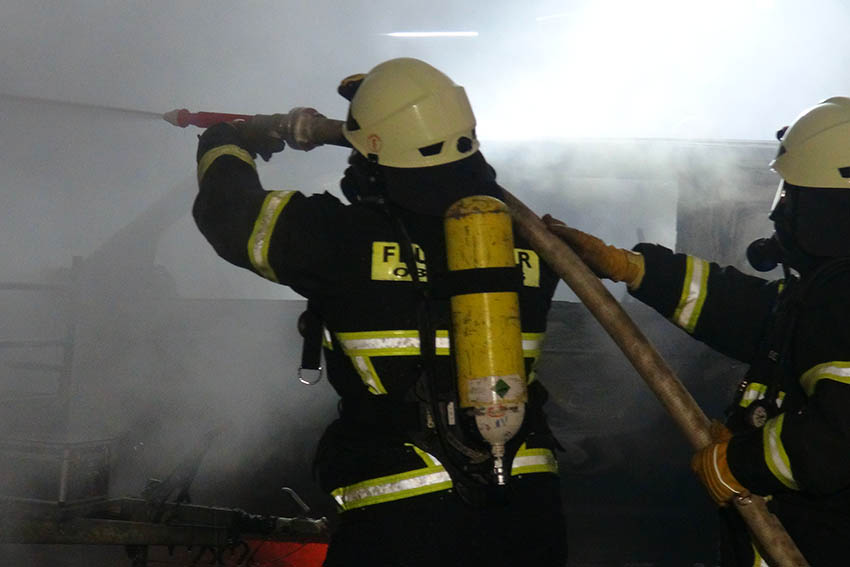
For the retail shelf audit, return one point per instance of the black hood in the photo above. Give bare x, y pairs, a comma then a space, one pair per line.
423, 190
812, 224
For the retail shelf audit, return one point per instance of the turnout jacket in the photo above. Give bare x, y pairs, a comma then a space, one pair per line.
801, 455
346, 259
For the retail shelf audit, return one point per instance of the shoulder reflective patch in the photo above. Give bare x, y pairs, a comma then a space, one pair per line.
694, 291
258, 243
838, 371
387, 264
227, 150
529, 263
774, 452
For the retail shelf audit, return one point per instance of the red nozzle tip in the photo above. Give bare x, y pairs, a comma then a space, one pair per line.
178, 117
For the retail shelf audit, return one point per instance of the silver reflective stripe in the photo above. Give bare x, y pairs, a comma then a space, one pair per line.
393, 343
432, 478
406, 342
837, 370
534, 461
368, 375
693, 296
394, 488
258, 243
532, 343
774, 452
758, 560
361, 346
430, 460
754, 391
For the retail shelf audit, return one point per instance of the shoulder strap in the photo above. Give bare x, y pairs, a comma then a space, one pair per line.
310, 326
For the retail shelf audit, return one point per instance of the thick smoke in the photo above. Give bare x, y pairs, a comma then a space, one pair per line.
170, 342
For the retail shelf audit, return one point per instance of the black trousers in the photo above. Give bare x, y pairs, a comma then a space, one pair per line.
441, 530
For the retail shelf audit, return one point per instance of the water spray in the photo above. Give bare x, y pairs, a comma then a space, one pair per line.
88, 106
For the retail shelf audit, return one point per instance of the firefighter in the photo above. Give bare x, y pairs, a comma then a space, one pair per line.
787, 434
410, 476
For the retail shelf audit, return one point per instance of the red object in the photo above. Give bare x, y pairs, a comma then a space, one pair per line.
286, 554
182, 118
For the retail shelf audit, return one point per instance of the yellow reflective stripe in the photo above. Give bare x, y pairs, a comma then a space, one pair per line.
258, 243
532, 346
227, 150
380, 343
774, 452
368, 374
754, 391
431, 478
693, 296
534, 461
360, 346
441, 345
429, 459
393, 487
406, 343
758, 560
839, 371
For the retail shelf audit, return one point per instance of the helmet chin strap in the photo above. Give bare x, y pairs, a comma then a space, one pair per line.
363, 181
783, 247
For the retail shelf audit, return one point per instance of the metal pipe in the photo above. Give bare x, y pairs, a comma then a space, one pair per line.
765, 527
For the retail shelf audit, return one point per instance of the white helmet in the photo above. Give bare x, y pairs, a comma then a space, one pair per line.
815, 149
812, 203
408, 114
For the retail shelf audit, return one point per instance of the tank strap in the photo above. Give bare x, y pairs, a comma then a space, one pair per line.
310, 326
477, 280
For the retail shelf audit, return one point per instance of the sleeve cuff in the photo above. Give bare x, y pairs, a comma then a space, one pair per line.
219, 135
661, 285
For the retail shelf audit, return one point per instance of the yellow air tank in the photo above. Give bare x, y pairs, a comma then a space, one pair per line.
486, 327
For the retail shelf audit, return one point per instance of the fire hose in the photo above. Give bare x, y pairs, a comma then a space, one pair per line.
305, 128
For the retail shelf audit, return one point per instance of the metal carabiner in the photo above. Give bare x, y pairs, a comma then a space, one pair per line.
306, 382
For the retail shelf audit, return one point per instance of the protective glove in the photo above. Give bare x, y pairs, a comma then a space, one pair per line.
712, 468
258, 141
606, 261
